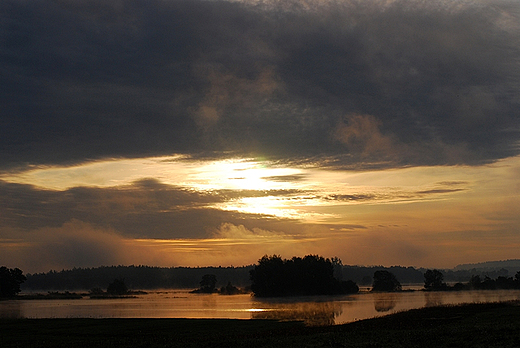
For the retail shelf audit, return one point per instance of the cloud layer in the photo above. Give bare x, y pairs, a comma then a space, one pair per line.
342, 83
381, 217
149, 209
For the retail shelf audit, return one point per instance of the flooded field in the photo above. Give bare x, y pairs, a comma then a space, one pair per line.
182, 304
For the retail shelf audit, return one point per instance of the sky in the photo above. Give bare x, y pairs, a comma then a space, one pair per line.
213, 132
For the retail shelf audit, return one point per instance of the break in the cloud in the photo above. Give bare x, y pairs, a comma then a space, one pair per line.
357, 84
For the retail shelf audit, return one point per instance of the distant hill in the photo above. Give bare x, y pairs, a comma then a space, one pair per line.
510, 265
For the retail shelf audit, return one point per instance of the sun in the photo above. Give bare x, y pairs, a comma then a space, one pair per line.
243, 174
252, 175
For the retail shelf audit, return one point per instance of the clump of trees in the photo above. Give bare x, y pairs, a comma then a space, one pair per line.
10, 281
385, 281
230, 289
434, 280
310, 275
117, 287
477, 283
207, 285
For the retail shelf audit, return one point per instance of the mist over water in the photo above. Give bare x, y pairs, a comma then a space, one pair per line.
320, 310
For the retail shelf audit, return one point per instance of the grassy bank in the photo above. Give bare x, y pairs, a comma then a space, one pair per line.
475, 325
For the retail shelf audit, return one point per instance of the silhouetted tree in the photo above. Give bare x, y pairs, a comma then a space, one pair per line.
488, 284
459, 286
348, 287
117, 287
10, 280
434, 280
338, 268
208, 283
475, 282
505, 283
385, 281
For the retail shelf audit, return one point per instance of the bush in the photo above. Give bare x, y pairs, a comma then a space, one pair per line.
385, 281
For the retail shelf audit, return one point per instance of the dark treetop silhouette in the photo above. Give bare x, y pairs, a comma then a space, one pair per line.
311, 275
117, 287
434, 280
10, 280
385, 281
207, 284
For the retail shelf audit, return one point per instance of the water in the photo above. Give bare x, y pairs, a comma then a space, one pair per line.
182, 304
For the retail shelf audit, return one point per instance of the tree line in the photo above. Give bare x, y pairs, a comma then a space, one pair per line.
136, 277
146, 277
434, 280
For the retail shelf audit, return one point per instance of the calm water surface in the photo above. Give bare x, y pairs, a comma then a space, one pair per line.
181, 304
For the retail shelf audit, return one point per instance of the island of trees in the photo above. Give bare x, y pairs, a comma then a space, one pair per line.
385, 281
310, 275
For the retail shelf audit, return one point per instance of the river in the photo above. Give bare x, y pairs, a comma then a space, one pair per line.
182, 304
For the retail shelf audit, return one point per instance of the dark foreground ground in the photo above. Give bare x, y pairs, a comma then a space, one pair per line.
476, 325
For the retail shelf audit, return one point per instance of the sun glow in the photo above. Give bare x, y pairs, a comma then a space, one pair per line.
296, 207
242, 174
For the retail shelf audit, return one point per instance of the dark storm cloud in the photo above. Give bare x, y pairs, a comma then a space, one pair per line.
145, 209
344, 83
